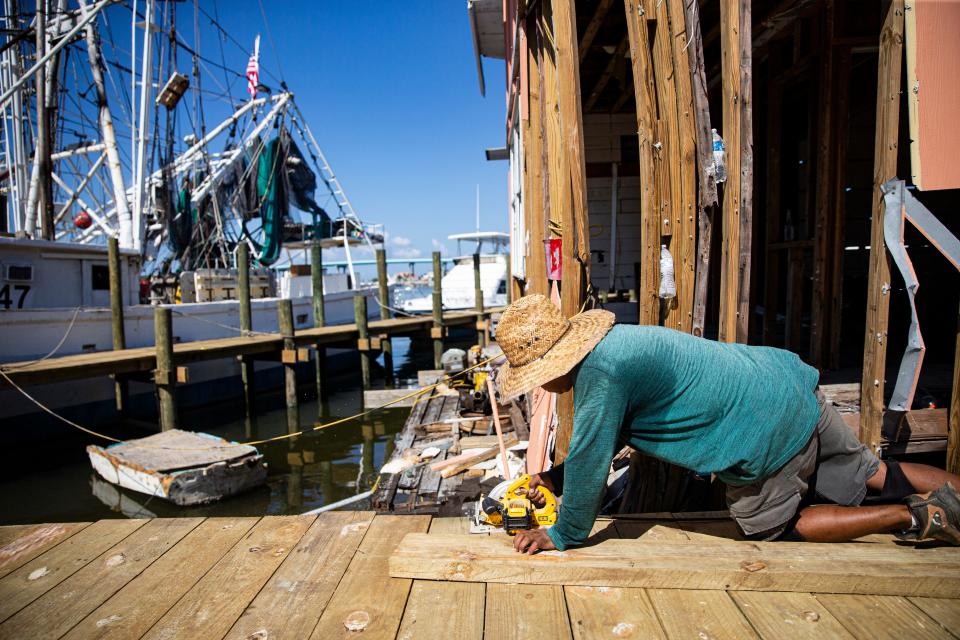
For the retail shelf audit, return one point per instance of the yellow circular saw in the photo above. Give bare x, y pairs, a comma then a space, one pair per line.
508, 507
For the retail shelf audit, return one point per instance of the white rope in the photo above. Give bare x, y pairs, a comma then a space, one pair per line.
76, 312
242, 332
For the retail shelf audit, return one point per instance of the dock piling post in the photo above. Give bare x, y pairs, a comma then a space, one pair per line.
246, 323
121, 387
363, 337
384, 290
289, 359
478, 299
437, 331
319, 314
510, 282
165, 375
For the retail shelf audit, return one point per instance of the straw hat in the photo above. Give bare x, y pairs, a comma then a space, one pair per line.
541, 344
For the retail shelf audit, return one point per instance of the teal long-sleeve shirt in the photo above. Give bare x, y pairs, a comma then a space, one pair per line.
738, 411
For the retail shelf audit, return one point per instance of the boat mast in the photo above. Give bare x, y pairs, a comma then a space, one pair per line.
18, 168
41, 154
109, 139
146, 91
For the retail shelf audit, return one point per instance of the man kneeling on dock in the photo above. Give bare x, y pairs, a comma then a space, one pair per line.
752, 416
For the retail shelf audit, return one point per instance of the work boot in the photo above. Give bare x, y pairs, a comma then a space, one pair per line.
937, 513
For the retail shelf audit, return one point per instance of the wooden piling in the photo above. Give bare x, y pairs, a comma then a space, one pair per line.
121, 388
437, 331
289, 359
319, 313
363, 337
246, 324
384, 293
478, 301
165, 375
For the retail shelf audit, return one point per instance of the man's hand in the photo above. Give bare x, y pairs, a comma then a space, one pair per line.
534, 494
532, 540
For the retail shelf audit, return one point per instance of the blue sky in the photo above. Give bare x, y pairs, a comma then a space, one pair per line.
390, 90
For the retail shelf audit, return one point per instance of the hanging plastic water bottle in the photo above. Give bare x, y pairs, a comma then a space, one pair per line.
719, 157
668, 286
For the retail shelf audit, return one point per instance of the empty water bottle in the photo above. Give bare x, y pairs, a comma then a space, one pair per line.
668, 286
719, 158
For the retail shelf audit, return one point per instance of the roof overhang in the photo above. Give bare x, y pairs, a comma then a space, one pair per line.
486, 27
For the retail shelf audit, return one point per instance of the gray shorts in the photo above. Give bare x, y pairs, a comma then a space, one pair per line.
832, 467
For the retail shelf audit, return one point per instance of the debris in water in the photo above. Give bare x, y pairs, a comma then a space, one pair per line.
36, 574
357, 621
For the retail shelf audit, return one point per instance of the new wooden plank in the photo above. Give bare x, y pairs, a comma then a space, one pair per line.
290, 604
33, 579
450, 525
599, 612
533, 177
698, 564
525, 611
878, 617
213, 605
449, 609
788, 615
946, 611
878, 270
688, 613
135, 608
367, 598
23, 543
744, 104
60, 608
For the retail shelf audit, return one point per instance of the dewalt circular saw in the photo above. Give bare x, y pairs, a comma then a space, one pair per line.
507, 507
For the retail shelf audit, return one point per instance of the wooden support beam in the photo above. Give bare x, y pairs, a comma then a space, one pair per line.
289, 359
667, 148
533, 179
363, 333
592, 28
478, 301
604, 78
319, 315
648, 284
165, 371
745, 108
722, 566
573, 192
551, 123
246, 325
878, 283
436, 332
121, 388
953, 425
384, 298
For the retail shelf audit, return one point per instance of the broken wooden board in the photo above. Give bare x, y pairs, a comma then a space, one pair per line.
735, 566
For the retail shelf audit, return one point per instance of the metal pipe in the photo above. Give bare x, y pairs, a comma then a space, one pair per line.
146, 91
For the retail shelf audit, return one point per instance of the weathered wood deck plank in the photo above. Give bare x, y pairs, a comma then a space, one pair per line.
213, 605
700, 614
872, 617
23, 543
367, 597
443, 609
69, 602
699, 564
33, 579
943, 610
290, 604
788, 615
525, 611
611, 612
135, 608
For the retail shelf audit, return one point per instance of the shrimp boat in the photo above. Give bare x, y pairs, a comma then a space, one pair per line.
141, 141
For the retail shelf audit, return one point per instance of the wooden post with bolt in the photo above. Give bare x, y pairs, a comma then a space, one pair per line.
289, 359
384, 294
121, 388
165, 375
319, 313
437, 331
246, 323
478, 300
363, 337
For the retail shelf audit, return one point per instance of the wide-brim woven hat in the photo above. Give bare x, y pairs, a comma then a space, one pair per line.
540, 344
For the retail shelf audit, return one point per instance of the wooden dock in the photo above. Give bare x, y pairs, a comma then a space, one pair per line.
304, 577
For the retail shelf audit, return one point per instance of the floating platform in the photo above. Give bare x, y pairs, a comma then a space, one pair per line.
184, 467
302, 577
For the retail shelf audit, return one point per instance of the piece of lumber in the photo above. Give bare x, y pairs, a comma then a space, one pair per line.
33, 579
501, 446
869, 617
379, 397
689, 613
213, 605
464, 461
132, 610
878, 270
599, 612
449, 609
460, 524
24, 543
788, 615
477, 442
60, 608
944, 610
751, 566
367, 599
290, 604
533, 177
525, 611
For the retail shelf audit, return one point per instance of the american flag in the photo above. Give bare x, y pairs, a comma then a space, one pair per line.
253, 69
